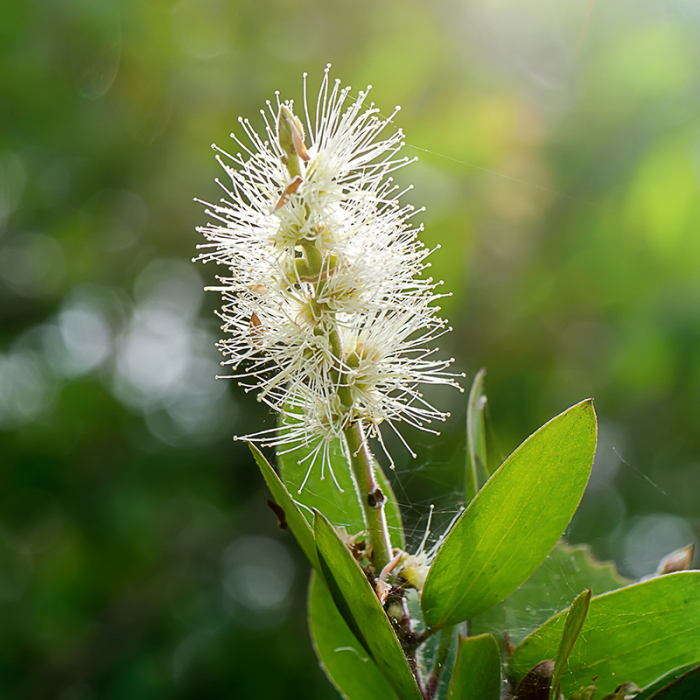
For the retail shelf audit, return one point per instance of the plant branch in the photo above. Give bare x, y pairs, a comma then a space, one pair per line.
413, 640
371, 497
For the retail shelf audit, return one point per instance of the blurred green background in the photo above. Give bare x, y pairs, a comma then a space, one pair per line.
559, 153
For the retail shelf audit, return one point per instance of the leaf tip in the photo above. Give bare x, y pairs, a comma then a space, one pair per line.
253, 448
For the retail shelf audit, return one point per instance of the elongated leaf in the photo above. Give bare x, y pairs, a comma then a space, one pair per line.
514, 521
634, 634
346, 663
296, 521
337, 501
572, 626
685, 687
548, 591
476, 438
361, 609
668, 678
477, 672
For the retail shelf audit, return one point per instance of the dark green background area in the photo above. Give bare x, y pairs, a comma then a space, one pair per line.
559, 153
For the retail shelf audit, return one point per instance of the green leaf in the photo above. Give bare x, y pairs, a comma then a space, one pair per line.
341, 507
476, 438
572, 626
514, 521
635, 633
297, 522
347, 665
548, 591
361, 609
477, 672
669, 679
687, 687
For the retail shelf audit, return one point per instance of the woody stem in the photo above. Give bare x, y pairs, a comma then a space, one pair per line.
371, 497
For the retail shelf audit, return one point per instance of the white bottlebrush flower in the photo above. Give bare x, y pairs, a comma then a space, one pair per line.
413, 569
325, 309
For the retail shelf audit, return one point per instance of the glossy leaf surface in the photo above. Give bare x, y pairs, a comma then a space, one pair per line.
687, 687
635, 634
297, 522
345, 661
667, 679
586, 693
548, 591
477, 671
514, 521
361, 609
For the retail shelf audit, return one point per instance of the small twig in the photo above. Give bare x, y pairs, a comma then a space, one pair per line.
413, 640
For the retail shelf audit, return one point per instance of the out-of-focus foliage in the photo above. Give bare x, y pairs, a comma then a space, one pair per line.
558, 150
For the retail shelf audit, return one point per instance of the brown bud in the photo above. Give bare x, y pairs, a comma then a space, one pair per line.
535, 684
680, 560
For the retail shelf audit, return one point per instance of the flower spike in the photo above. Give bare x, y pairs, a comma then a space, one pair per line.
326, 313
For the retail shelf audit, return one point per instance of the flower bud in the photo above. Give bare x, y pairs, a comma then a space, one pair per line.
415, 570
395, 611
291, 138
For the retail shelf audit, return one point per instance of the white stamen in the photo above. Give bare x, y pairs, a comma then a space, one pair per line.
369, 288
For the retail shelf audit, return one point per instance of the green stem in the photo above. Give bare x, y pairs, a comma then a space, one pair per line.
443, 651
338, 379
361, 462
371, 497
312, 256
